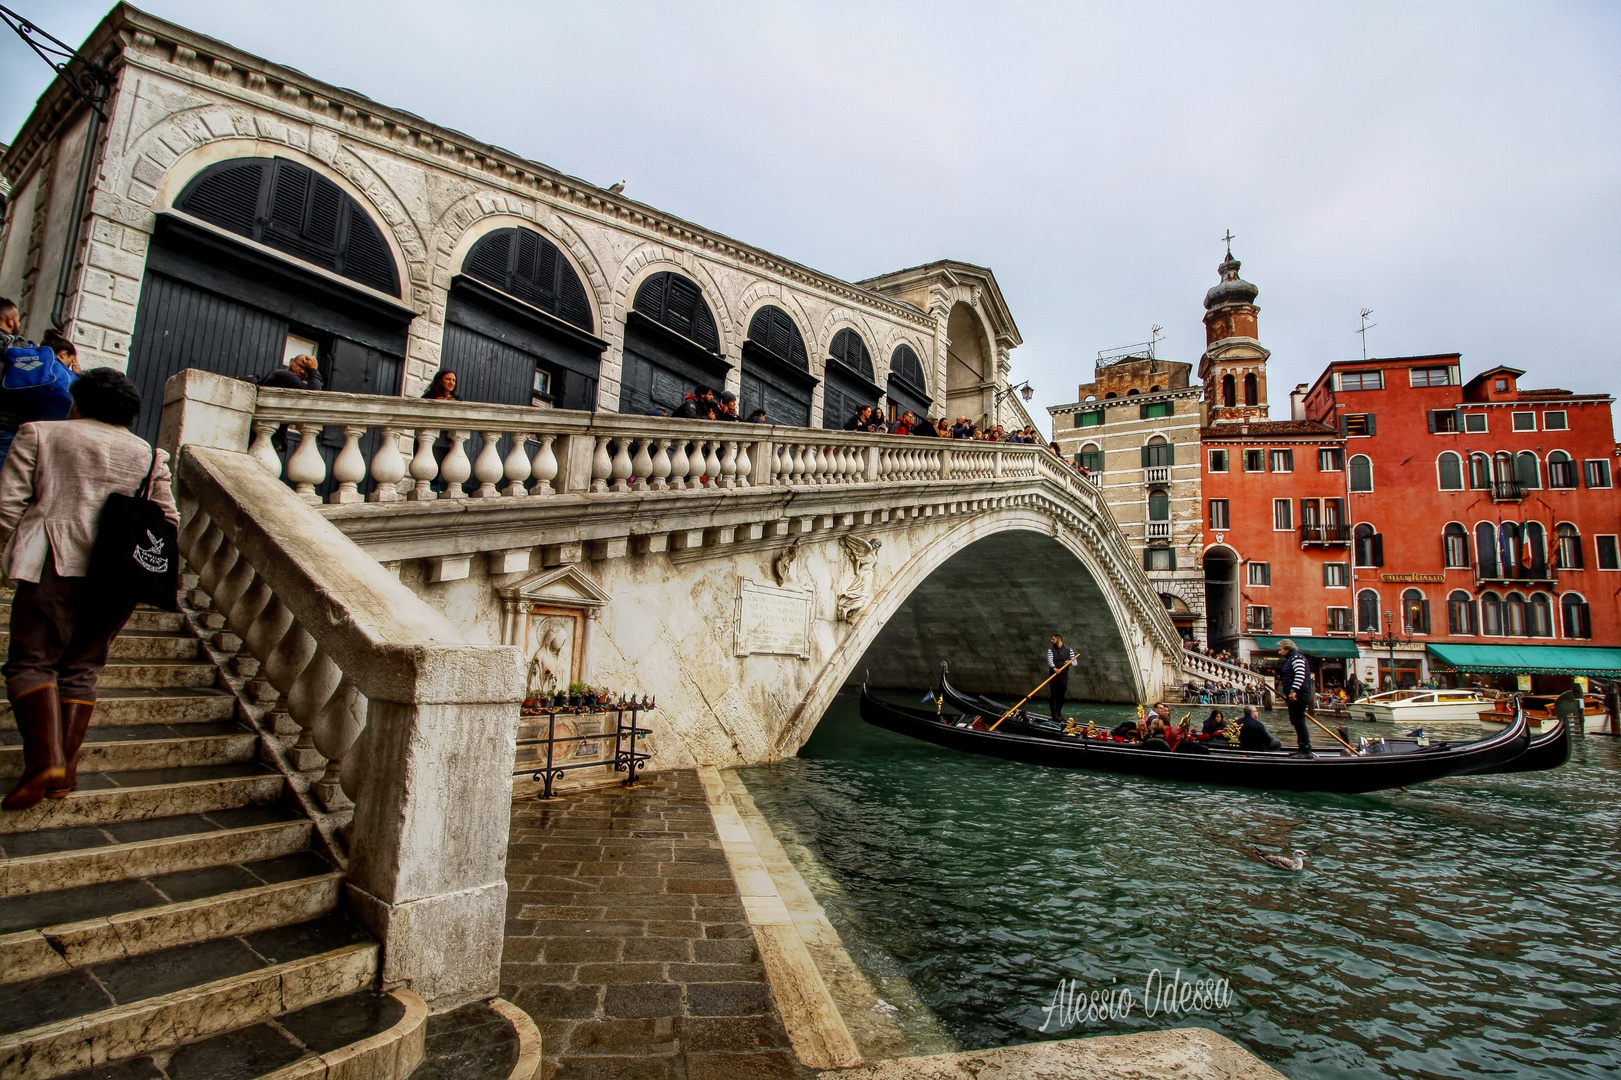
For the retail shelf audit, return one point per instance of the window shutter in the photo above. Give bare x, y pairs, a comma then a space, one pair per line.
1424, 616
1145, 457
1342, 425
1373, 424
1172, 557
1378, 549
1170, 453
1147, 558
1142, 411
1170, 408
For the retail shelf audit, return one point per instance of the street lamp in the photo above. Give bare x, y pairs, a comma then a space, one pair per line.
1025, 390
1389, 640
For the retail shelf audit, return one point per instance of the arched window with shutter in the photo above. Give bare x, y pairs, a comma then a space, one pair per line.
1576, 619
1570, 546
1561, 470
1514, 615
1361, 473
519, 327
1455, 546
1511, 548
1536, 550
1159, 505
1368, 546
672, 345
848, 379
1491, 614
1539, 616
776, 370
1460, 613
1158, 453
1415, 612
1527, 470
1486, 549
1367, 612
1449, 467
1480, 472
906, 388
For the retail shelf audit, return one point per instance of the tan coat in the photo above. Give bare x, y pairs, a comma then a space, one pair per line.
56, 480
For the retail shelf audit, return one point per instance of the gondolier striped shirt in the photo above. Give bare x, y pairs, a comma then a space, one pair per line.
1296, 674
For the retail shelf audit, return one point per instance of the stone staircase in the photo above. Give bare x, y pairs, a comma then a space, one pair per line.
178, 915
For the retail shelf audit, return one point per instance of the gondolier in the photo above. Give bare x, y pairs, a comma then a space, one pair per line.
1059, 659
1295, 679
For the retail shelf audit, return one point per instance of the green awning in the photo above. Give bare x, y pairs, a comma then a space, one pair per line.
1528, 659
1331, 648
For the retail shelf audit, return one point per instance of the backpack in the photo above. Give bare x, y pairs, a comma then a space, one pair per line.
136, 556
35, 374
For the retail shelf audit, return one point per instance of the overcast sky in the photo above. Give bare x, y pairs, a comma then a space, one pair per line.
1454, 167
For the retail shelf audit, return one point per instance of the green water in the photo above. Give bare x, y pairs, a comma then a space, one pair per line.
1465, 928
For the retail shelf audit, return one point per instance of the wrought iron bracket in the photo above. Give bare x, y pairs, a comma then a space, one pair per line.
91, 83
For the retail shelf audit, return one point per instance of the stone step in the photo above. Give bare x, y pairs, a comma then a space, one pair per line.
52, 859
140, 645
150, 674
124, 706
146, 746
54, 932
120, 797
168, 622
363, 1036
136, 1005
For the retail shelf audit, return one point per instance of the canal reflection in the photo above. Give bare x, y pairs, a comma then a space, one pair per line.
1465, 927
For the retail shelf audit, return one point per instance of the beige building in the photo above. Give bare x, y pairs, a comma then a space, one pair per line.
1135, 429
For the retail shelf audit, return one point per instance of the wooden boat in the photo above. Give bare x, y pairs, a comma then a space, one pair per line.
1326, 770
1406, 707
1539, 710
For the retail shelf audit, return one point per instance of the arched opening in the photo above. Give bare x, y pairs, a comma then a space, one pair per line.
1229, 391
1415, 612
1480, 472
970, 369
671, 345
776, 370
1221, 598
1527, 470
1367, 612
1455, 546
1561, 470
1027, 585
848, 382
518, 325
1486, 549
907, 389
1252, 389
1576, 620
1460, 613
1450, 470
312, 274
1491, 614
1570, 546
1361, 473
1181, 615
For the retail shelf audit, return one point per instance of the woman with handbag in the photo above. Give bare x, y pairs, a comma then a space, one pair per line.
53, 487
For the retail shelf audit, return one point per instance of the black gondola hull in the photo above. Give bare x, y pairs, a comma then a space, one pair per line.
1548, 750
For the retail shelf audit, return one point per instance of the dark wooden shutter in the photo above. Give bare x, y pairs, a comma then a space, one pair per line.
775, 332
677, 303
848, 349
1378, 549
524, 264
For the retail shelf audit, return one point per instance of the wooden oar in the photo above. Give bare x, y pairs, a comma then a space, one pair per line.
1033, 693
1335, 734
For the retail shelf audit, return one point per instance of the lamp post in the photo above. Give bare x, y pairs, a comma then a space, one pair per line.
1389, 640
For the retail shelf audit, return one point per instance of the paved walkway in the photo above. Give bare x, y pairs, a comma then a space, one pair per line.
628, 944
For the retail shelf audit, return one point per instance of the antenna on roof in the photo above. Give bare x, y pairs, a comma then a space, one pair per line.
1154, 334
1366, 326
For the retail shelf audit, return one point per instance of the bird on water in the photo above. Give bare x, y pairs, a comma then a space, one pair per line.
1283, 862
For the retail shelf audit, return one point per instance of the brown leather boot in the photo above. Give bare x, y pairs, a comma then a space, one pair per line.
39, 718
75, 720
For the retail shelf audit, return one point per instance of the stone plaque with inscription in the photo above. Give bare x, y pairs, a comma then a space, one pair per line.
773, 620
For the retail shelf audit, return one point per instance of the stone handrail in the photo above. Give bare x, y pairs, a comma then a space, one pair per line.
415, 723
1210, 668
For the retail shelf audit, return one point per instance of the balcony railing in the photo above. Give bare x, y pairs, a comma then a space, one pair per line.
1159, 530
1157, 474
1507, 491
1325, 534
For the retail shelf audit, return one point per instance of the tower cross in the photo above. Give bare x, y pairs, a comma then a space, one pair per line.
1229, 238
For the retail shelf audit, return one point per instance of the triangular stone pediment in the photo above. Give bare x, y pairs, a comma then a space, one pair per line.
565, 586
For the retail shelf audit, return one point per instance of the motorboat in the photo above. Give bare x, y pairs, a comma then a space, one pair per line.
1539, 711
1418, 706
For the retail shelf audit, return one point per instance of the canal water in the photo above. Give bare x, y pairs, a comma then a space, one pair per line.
1464, 928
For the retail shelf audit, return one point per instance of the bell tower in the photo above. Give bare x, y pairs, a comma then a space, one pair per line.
1233, 368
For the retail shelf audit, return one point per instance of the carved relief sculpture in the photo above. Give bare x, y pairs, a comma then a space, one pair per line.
858, 593
782, 567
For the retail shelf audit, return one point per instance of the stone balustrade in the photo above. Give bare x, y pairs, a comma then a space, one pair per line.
1211, 669
412, 721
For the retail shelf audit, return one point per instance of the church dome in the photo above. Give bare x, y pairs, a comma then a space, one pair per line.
1232, 289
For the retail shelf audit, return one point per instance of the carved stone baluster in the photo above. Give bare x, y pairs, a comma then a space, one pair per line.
659, 468
728, 464
336, 729
796, 464
712, 462
263, 629
841, 465
306, 468
388, 467
488, 470
622, 468
745, 467
349, 468
824, 465
544, 466
263, 449
641, 466
289, 657
680, 465
456, 468
601, 466
423, 467
200, 542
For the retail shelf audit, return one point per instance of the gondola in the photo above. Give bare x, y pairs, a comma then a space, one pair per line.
1548, 750
1324, 771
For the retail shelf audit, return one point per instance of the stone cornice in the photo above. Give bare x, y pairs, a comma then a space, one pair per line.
954, 274
165, 46
1193, 393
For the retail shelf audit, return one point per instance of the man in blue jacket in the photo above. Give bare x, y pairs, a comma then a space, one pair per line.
1295, 677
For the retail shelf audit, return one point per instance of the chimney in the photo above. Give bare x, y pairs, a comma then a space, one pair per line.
1297, 402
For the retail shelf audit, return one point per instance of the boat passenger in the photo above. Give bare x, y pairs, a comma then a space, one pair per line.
1253, 735
1214, 724
1156, 735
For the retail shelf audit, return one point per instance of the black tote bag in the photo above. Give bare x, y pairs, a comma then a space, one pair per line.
136, 556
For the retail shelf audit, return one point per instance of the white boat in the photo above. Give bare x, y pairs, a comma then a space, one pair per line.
1423, 707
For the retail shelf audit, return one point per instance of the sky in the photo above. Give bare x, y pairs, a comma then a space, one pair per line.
1455, 167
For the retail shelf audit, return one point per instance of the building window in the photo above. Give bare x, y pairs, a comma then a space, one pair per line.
1555, 420
1218, 461
1455, 546
1154, 410
1252, 390
1369, 546
1258, 619
1254, 461
1283, 518
1330, 459
1432, 376
1159, 558
1090, 458
1539, 616
1089, 419
1415, 612
1474, 422
1367, 612
1491, 614
1500, 386
1561, 470
1480, 472
1229, 391
1260, 573
1357, 424
1451, 470
1362, 380
1336, 575
1525, 421
1219, 518
1339, 620
1486, 550
1443, 421
1609, 557
1361, 473
1460, 613
1527, 470
1158, 453
1159, 505
1282, 460
1598, 472
1514, 615
1576, 619
1569, 551
1536, 546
